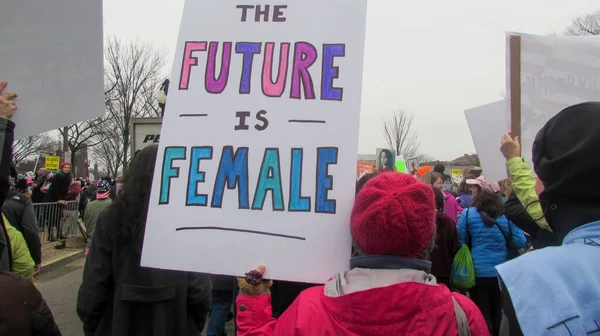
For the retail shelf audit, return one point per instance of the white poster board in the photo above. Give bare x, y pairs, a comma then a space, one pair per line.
412, 165
257, 156
51, 54
487, 126
556, 72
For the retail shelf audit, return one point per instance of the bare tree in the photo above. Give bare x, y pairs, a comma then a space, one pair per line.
84, 134
425, 158
41, 144
400, 135
131, 78
109, 153
588, 24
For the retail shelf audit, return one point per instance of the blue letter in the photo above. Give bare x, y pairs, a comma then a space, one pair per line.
233, 170
248, 49
297, 202
330, 72
325, 157
197, 176
169, 172
269, 179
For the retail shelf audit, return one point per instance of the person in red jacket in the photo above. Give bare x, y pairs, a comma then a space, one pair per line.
389, 289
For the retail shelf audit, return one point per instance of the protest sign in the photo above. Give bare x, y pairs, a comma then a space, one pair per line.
487, 126
555, 72
52, 162
52, 56
412, 165
400, 164
364, 168
456, 176
386, 159
249, 170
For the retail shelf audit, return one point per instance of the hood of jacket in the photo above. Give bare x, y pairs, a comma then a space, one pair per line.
394, 296
398, 282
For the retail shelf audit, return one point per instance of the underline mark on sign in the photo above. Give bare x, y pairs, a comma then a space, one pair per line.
239, 230
194, 115
307, 121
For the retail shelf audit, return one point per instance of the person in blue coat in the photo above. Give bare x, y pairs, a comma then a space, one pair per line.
480, 228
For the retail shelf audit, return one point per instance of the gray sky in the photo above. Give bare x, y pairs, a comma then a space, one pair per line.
433, 58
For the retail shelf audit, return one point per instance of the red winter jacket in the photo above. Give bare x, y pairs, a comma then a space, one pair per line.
407, 308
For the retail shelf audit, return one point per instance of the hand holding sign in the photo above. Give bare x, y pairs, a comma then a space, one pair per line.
511, 148
7, 103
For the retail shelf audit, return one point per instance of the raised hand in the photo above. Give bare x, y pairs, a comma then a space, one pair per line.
7, 103
510, 148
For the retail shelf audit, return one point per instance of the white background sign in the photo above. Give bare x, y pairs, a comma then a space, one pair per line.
556, 72
487, 126
412, 165
257, 158
51, 54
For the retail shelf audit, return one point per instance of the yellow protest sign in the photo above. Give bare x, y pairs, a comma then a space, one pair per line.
52, 162
456, 176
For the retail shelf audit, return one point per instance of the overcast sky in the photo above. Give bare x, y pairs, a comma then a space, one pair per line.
433, 58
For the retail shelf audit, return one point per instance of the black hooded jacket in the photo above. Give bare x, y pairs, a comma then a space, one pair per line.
566, 158
516, 213
59, 187
7, 128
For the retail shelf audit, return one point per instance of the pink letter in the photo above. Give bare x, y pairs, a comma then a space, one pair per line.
214, 84
269, 88
305, 55
188, 62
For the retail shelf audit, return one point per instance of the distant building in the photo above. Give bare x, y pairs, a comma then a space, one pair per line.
467, 164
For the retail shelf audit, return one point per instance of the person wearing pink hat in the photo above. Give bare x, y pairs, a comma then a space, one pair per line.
389, 289
489, 234
94, 208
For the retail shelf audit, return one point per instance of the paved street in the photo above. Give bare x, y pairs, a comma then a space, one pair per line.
59, 288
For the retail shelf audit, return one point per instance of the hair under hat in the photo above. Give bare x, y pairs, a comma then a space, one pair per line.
393, 214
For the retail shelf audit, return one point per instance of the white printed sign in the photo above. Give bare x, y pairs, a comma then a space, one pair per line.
257, 156
51, 55
487, 126
556, 72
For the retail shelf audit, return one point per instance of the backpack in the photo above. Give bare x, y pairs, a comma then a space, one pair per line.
462, 272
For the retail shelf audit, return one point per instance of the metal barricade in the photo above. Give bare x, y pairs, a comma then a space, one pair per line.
56, 221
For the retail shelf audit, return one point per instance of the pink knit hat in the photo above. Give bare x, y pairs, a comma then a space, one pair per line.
393, 214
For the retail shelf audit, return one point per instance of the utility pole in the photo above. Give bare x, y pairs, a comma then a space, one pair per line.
66, 152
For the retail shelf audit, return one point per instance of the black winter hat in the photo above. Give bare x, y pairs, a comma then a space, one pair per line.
566, 156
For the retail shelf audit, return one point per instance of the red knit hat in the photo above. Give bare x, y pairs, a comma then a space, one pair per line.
62, 165
393, 214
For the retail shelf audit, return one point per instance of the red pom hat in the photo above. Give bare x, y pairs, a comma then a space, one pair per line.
393, 214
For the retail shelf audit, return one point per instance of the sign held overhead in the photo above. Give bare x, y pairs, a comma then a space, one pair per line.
52, 56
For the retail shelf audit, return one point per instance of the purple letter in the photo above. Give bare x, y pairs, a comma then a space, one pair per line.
305, 56
269, 88
188, 62
248, 49
331, 72
214, 84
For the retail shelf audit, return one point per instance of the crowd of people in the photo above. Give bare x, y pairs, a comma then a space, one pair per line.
534, 245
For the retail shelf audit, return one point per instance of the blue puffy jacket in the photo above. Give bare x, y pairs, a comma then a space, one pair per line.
488, 246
